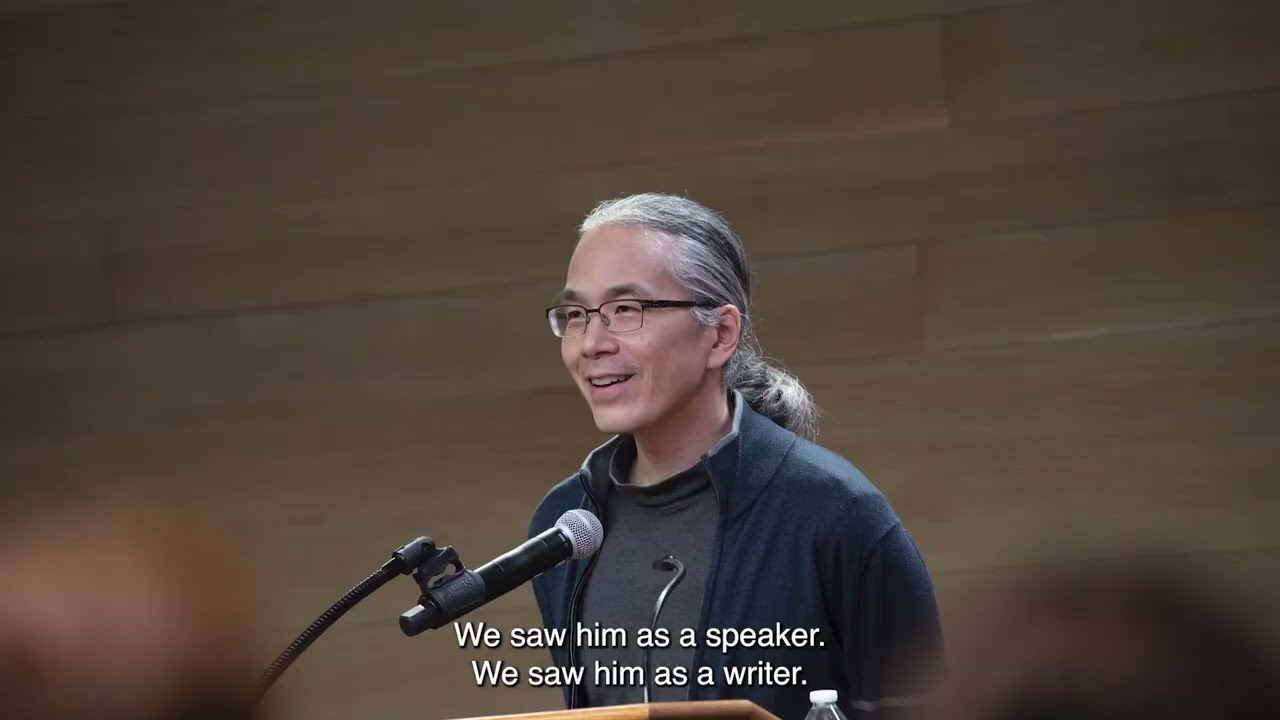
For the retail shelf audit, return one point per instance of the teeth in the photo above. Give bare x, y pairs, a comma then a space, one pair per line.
611, 379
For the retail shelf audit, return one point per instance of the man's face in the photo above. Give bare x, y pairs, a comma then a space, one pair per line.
632, 380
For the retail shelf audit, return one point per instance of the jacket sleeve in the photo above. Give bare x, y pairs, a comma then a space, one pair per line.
883, 608
551, 600
541, 584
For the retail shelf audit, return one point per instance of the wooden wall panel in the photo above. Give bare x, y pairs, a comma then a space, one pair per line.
819, 308
1057, 57
1124, 276
1193, 155
292, 448
1146, 441
217, 52
239, 250
466, 470
328, 360
52, 274
447, 126
17, 7
321, 252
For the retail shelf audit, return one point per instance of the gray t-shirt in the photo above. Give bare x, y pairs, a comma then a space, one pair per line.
643, 524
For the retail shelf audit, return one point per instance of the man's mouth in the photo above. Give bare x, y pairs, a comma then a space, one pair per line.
601, 381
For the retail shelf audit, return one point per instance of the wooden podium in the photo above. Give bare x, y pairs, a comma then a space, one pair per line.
703, 710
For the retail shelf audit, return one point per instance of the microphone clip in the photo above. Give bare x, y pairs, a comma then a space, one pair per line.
431, 573
448, 589
426, 563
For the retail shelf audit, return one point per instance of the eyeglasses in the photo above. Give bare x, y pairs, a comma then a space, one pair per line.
619, 316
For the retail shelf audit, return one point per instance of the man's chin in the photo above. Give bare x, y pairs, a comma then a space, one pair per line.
613, 422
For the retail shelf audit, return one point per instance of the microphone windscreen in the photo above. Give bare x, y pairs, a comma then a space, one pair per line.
584, 530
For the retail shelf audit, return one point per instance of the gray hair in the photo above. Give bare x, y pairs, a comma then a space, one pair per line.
710, 262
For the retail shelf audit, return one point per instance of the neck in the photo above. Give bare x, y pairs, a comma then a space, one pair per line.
678, 442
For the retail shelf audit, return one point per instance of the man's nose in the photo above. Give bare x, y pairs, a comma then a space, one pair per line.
596, 338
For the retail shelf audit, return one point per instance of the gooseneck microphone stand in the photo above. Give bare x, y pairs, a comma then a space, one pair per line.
421, 558
667, 563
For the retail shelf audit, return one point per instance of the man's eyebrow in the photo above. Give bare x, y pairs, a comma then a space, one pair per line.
566, 296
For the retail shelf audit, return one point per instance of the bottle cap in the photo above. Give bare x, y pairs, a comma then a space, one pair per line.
823, 697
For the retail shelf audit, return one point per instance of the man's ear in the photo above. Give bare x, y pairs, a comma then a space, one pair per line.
728, 331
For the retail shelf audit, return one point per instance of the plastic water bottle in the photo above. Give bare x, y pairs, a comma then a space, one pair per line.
824, 706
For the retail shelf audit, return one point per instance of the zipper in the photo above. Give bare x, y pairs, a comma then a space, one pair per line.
573, 600
711, 579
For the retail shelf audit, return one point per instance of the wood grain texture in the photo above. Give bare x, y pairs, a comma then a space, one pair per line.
1060, 57
1159, 441
53, 274
237, 251
196, 54
710, 709
616, 712
328, 360
500, 120
17, 7
818, 308
1116, 277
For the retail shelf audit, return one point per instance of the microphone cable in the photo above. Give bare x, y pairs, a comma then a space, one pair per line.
667, 563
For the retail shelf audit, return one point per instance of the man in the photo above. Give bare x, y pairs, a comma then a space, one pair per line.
712, 463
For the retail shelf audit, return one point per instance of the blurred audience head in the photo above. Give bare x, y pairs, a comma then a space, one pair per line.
1109, 644
121, 615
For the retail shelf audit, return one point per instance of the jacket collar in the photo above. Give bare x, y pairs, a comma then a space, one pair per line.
741, 464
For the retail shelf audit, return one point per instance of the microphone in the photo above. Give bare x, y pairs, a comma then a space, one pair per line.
577, 534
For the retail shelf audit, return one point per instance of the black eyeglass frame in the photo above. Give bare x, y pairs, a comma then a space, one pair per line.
644, 305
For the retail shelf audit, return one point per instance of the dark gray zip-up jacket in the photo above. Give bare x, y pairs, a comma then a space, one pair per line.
804, 541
